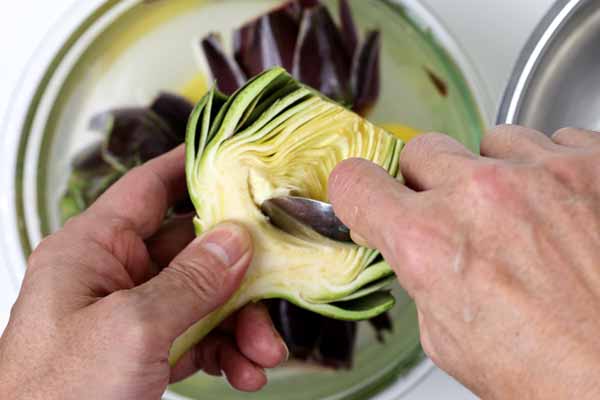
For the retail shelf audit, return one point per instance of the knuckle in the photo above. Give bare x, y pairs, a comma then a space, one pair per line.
423, 144
559, 165
104, 230
107, 232
354, 184
136, 324
37, 258
427, 347
426, 155
514, 138
204, 276
427, 344
141, 333
42, 254
344, 176
147, 180
567, 170
493, 183
505, 130
562, 132
502, 135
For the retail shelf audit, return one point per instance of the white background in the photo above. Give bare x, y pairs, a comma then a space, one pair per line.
490, 31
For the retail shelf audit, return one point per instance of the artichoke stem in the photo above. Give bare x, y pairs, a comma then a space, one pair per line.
200, 329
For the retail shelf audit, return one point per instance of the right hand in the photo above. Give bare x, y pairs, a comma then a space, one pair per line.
501, 253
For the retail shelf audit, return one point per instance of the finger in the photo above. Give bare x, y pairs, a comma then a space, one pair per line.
573, 137
240, 372
364, 196
170, 240
140, 200
257, 338
228, 325
434, 160
200, 279
400, 223
204, 356
216, 355
514, 142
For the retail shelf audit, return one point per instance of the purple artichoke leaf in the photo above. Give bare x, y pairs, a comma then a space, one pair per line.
98, 185
224, 70
348, 27
366, 75
255, 48
90, 161
320, 60
381, 323
175, 110
336, 344
299, 328
309, 3
136, 136
285, 24
152, 147
184, 206
242, 42
101, 122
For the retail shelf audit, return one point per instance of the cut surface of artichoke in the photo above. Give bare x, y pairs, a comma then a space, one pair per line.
274, 137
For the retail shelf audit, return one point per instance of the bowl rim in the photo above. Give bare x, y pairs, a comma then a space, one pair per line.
42, 66
531, 56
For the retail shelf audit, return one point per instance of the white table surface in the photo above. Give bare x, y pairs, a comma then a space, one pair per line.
491, 31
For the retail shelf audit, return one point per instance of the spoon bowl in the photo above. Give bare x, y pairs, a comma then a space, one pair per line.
302, 216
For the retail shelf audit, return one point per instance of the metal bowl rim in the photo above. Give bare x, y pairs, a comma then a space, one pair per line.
531, 55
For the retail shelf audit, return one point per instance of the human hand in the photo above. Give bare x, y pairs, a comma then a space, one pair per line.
95, 319
501, 254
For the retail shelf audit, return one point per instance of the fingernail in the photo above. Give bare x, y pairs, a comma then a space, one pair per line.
228, 242
287, 351
224, 375
261, 371
285, 347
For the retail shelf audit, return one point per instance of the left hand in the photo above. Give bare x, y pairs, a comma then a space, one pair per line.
95, 319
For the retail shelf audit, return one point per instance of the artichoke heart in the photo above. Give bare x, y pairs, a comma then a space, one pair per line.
273, 137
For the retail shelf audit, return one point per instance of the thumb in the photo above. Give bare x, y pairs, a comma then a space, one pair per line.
200, 279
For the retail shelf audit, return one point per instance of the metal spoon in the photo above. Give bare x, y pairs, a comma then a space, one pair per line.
300, 216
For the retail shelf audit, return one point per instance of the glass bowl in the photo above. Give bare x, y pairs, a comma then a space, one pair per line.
110, 53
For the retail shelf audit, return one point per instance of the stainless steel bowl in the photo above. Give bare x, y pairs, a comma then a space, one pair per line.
556, 81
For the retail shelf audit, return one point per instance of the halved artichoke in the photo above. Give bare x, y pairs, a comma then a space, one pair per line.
275, 136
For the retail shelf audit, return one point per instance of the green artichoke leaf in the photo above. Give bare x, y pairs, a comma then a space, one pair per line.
355, 309
273, 137
369, 276
376, 286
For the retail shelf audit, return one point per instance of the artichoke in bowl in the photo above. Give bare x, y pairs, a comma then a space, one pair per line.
275, 136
